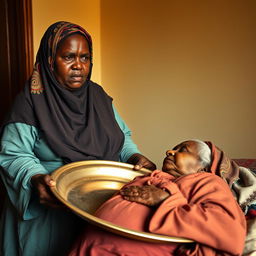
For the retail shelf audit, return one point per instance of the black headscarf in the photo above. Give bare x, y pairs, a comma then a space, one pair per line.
78, 124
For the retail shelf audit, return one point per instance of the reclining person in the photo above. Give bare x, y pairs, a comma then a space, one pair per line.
186, 199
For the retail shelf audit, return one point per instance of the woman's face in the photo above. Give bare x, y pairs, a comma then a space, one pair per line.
182, 159
72, 63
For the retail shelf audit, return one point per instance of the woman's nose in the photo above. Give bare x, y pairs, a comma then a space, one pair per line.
170, 152
77, 64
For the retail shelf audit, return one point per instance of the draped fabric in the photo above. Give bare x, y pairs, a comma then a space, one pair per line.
200, 207
241, 180
78, 124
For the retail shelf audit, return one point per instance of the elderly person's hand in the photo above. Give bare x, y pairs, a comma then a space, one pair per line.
139, 161
149, 195
42, 184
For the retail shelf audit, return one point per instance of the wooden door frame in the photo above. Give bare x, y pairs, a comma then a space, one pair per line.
16, 51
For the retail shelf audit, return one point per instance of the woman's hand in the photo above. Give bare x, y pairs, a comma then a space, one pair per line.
139, 161
149, 195
42, 184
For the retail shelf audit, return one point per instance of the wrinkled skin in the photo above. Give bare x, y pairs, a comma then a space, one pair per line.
181, 160
72, 62
149, 195
139, 161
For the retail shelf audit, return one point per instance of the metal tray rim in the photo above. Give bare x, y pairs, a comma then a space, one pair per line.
145, 236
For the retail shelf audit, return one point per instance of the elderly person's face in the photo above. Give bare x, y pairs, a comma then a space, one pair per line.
72, 62
182, 159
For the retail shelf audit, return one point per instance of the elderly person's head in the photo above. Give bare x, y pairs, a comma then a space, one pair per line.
64, 58
187, 157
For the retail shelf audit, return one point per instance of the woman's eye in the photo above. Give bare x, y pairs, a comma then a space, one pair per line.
68, 57
183, 149
85, 58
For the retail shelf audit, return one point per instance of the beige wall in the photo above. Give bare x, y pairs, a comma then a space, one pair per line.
83, 12
181, 69
177, 69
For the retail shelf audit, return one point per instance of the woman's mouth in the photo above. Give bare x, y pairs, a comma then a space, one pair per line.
169, 163
167, 159
77, 78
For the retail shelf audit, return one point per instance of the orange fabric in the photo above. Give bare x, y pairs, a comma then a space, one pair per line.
97, 242
201, 207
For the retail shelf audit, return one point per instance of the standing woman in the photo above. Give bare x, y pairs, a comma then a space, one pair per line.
60, 117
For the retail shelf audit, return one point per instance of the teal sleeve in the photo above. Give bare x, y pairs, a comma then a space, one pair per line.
129, 148
19, 165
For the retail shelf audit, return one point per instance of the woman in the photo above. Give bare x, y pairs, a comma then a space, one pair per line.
60, 117
184, 200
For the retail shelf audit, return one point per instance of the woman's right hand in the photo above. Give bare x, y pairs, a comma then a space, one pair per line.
42, 184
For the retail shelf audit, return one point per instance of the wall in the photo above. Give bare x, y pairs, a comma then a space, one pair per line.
181, 69
83, 12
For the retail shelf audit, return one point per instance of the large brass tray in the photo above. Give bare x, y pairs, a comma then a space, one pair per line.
83, 186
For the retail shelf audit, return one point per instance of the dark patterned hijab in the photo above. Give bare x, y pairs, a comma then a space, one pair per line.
78, 124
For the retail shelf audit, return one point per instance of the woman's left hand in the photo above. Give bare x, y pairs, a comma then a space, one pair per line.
42, 184
149, 195
139, 161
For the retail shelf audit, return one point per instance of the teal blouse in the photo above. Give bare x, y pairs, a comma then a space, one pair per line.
27, 227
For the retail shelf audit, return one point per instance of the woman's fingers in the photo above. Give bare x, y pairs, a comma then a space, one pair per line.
149, 195
49, 181
42, 184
